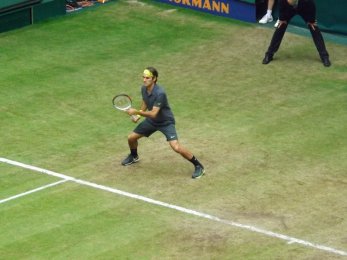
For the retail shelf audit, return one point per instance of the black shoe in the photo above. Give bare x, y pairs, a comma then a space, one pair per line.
199, 171
130, 160
326, 61
268, 58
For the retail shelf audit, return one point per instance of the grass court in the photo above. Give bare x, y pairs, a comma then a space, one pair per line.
273, 140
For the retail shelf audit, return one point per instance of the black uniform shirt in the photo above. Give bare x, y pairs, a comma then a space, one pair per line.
158, 98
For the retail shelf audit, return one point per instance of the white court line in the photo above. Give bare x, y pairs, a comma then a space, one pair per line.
32, 191
290, 240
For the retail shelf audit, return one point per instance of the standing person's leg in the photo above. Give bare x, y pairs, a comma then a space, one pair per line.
320, 45
275, 42
267, 18
308, 13
270, 6
286, 16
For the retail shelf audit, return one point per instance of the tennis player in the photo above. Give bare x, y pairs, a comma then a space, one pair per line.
158, 117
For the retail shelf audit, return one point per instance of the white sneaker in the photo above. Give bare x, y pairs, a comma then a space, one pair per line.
266, 19
277, 23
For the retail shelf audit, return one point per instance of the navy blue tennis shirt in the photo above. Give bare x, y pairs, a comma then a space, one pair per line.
158, 98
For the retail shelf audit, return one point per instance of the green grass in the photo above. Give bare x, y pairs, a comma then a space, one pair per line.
272, 138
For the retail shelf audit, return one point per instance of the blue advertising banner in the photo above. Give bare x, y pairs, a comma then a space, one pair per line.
236, 9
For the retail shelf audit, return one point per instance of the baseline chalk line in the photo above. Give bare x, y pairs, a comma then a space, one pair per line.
290, 240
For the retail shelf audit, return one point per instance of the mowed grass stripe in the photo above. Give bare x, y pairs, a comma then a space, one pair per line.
289, 239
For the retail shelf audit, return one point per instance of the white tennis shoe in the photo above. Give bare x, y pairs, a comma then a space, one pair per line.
266, 19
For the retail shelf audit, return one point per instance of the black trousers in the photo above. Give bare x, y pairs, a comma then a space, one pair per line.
307, 10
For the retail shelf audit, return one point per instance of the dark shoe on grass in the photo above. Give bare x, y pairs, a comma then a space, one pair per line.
199, 171
326, 61
268, 58
130, 160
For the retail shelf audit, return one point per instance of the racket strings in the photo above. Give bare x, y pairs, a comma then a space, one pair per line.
122, 102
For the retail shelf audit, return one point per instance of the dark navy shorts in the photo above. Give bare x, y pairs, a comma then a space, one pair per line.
145, 128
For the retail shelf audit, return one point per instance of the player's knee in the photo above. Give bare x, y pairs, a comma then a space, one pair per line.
132, 137
176, 147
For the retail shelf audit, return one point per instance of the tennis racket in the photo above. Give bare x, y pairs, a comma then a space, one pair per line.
123, 102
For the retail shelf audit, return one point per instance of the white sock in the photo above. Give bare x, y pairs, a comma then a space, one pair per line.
269, 12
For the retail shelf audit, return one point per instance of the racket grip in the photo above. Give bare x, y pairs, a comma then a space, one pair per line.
135, 118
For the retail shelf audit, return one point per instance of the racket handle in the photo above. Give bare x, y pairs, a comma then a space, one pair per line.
135, 118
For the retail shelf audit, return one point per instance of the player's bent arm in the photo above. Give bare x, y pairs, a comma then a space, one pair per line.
151, 114
143, 106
